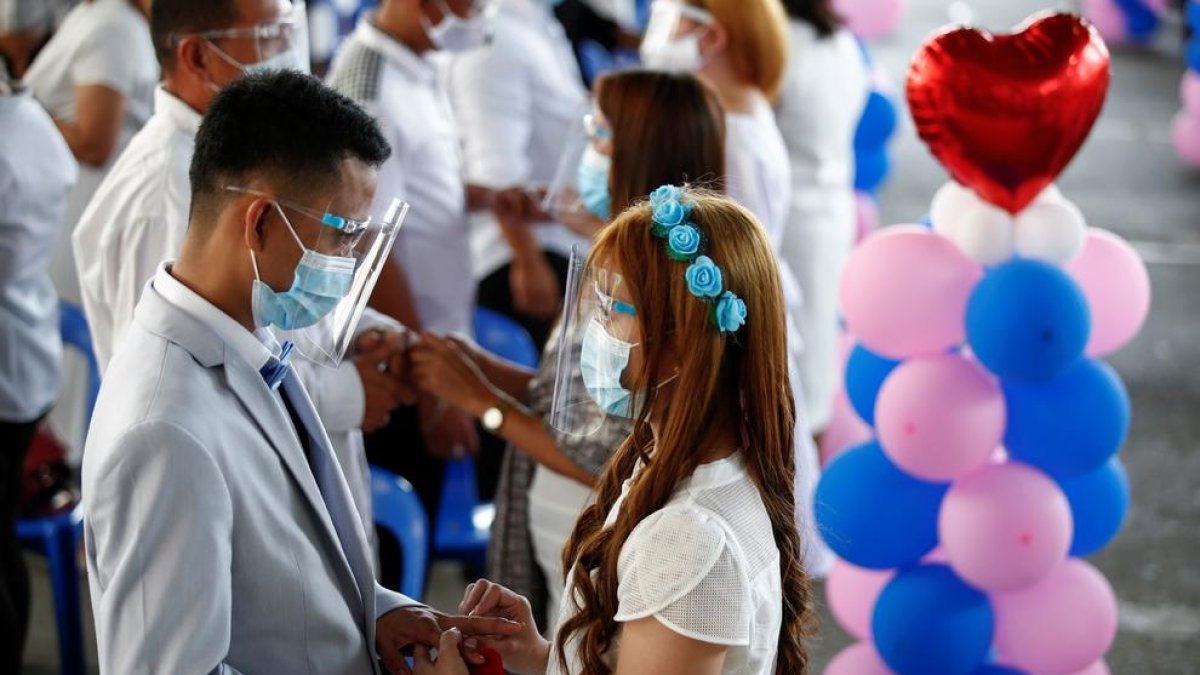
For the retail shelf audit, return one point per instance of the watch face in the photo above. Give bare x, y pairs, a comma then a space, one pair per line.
492, 419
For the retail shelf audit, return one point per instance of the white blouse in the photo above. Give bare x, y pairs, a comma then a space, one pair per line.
705, 566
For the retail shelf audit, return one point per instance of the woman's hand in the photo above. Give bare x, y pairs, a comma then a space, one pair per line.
534, 287
449, 661
443, 369
526, 652
582, 222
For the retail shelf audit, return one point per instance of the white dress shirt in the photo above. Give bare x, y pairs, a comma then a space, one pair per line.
138, 219
401, 89
818, 112
517, 102
36, 172
103, 42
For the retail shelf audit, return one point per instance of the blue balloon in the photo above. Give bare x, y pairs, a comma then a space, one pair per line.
992, 669
865, 373
1099, 503
1192, 56
927, 621
871, 169
1193, 17
1028, 320
877, 124
874, 515
1141, 24
1070, 425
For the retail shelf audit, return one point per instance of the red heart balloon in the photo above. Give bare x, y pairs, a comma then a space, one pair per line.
1006, 113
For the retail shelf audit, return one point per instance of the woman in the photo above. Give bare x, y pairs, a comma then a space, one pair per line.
689, 561
822, 100
546, 476
740, 48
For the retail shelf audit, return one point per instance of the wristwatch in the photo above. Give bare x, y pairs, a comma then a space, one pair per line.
493, 418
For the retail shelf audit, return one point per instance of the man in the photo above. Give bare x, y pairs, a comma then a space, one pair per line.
139, 215
220, 534
386, 67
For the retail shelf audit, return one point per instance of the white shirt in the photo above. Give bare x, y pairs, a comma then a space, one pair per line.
104, 42
517, 102
705, 566
818, 112
402, 90
137, 219
36, 172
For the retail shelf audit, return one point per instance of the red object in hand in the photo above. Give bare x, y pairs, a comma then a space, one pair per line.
492, 664
1005, 114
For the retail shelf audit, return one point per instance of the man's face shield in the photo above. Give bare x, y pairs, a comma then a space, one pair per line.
672, 37
599, 348
339, 267
280, 43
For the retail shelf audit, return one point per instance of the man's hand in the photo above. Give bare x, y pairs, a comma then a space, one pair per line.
407, 627
443, 368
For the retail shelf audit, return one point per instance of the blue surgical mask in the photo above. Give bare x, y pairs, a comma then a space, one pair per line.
602, 360
592, 182
320, 283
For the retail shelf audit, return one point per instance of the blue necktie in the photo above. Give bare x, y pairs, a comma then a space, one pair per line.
277, 369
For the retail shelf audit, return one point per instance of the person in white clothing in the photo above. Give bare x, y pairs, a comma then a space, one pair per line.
818, 111
36, 172
689, 561
517, 101
24, 27
387, 66
740, 47
220, 535
140, 213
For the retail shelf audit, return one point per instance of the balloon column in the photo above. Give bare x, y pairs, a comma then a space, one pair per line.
1125, 21
1185, 130
962, 524
872, 164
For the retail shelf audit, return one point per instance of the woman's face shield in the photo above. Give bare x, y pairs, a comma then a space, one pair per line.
581, 179
673, 20
365, 244
598, 350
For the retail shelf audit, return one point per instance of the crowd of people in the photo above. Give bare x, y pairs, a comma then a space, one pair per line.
280, 271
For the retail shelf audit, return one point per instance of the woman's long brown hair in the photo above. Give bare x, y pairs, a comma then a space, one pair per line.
735, 382
667, 128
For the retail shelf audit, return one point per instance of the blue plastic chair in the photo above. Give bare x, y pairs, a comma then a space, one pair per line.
464, 524
398, 510
57, 537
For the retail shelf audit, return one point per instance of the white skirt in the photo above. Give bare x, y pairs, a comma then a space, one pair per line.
555, 503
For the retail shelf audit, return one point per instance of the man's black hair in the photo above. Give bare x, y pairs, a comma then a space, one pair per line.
172, 19
284, 126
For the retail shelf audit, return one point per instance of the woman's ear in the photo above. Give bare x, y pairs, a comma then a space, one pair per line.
714, 41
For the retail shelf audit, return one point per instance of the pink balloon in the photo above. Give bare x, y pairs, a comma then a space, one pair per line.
870, 19
1062, 624
857, 659
939, 417
1097, 668
851, 592
868, 215
1117, 286
904, 292
1185, 134
1158, 7
1108, 18
1005, 527
844, 431
1189, 92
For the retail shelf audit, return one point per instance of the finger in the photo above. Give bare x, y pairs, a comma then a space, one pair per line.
394, 661
470, 651
474, 592
488, 601
484, 625
448, 648
466, 594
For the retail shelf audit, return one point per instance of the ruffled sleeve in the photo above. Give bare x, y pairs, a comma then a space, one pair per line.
678, 566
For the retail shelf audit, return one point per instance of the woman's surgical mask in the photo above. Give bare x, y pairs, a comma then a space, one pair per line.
663, 47
457, 34
602, 361
319, 284
592, 182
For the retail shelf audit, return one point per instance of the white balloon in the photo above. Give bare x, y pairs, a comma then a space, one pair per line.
1053, 231
1050, 194
984, 233
949, 203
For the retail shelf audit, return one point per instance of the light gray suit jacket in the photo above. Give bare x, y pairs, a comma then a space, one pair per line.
211, 545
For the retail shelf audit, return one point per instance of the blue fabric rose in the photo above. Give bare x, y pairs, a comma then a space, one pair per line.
729, 313
683, 243
670, 214
666, 193
704, 278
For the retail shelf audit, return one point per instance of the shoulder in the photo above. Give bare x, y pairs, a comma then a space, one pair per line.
358, 71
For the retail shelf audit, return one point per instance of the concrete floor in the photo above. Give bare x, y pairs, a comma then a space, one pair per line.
1125, 179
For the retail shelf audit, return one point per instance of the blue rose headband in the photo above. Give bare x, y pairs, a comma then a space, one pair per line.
684, 244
